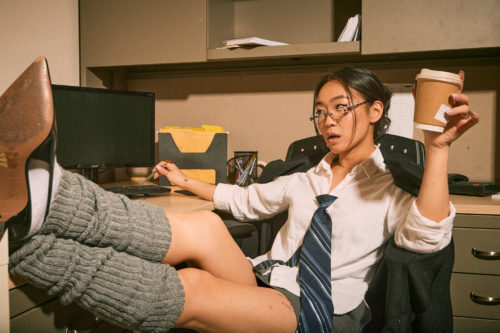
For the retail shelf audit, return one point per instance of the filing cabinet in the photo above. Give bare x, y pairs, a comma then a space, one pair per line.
475, 282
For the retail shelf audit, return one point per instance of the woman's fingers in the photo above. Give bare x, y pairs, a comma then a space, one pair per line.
458, 98
461, 73
162, 168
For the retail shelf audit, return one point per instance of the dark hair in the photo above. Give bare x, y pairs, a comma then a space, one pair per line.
368, 85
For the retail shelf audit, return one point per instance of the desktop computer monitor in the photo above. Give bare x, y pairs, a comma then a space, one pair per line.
103, 128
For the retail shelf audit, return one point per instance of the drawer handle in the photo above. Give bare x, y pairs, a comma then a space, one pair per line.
486, 255
484, 300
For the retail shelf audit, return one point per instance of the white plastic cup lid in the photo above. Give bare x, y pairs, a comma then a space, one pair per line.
439, 76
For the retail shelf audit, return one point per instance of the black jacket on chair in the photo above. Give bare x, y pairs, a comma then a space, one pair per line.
410, 292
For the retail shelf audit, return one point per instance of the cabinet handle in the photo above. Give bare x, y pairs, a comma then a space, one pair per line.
484, 300
486, 255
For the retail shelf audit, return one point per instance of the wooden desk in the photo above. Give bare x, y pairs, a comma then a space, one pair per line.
475, 205
174, 202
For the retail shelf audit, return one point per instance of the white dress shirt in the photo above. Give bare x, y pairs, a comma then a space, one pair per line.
369, 210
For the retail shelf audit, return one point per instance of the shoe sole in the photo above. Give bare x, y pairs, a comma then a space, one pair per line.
26, 120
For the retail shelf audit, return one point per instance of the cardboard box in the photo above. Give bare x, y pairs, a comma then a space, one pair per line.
200, 155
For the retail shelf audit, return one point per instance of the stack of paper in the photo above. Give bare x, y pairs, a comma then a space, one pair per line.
352, 30
250, 41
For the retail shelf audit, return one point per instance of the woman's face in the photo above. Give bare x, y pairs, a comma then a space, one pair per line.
349, 131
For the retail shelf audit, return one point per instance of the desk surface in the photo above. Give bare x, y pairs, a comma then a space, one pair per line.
476, 205
173, 202
176, 202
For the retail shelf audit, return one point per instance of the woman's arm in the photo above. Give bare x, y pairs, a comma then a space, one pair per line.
433, 198
176, 177
252, 202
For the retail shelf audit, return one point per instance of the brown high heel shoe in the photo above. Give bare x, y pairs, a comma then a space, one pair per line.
27, 130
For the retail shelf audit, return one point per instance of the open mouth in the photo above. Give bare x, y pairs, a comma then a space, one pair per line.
333, 137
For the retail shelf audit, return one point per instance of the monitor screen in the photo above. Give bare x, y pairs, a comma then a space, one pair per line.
98, 128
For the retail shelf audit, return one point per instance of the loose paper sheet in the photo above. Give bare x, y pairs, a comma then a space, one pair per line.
401, 111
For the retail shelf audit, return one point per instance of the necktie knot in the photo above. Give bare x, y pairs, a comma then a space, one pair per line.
325, 200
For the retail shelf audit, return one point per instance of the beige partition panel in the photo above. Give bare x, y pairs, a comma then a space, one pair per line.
393, 26
29, 29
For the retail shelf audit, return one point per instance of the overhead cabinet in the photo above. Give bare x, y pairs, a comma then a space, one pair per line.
397, 26
130, 32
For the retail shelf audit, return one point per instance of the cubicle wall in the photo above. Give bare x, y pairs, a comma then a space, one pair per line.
263, 95
267, 111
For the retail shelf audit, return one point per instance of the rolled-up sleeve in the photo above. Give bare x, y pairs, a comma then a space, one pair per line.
420, 234
253, 202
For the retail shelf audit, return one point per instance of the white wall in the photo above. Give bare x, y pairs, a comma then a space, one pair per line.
31, 28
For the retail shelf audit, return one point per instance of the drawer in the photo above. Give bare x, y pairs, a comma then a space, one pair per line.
483, 241
53, 317
467, 325
482, 285
26, 297
477, 221
32, 310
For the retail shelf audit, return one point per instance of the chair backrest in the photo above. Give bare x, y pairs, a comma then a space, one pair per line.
313, 145
411, 148
306, 148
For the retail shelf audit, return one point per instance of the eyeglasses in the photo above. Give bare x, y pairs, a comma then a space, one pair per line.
339, 112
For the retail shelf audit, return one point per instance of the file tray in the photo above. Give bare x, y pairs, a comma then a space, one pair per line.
200, 155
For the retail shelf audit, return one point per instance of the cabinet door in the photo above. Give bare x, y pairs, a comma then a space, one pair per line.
484, 301
395, 26
467, 325
130, 32
477, 251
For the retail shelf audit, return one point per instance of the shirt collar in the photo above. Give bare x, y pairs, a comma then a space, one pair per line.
369, 167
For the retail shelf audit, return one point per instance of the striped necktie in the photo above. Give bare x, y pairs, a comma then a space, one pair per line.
316, 306
314, 259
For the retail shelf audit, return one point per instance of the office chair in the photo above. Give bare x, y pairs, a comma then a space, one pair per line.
245, 234
312, 147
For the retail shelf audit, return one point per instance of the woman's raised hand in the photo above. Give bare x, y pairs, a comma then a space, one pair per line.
460, 119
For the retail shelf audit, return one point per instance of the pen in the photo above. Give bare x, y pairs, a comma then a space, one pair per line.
152, 174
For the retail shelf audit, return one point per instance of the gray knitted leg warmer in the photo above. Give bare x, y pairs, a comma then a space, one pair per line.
128, 291
83, 211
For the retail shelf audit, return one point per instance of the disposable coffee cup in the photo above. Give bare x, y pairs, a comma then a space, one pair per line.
433, 92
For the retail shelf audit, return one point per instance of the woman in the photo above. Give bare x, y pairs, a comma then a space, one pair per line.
351, 108
102, 250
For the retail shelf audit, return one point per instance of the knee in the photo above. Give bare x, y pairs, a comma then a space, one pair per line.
211, 226
194, 280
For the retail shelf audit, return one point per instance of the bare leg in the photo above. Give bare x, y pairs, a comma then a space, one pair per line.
222, 295
202, 239
216, 305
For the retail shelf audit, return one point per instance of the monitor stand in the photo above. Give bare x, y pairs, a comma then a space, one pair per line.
91, 174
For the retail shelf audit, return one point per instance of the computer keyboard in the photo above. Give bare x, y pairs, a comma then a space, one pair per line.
137, 191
